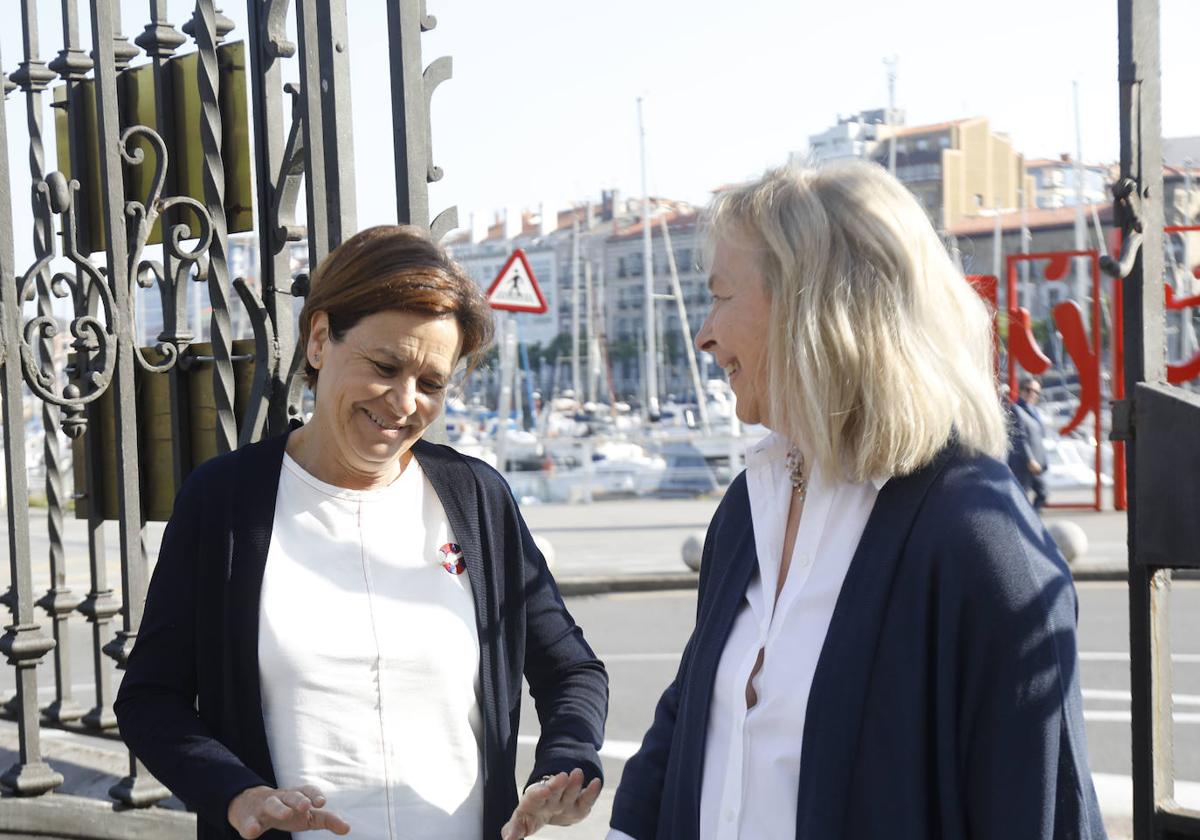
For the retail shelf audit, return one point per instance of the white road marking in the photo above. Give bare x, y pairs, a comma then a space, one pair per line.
619, 750
1115, 793
639, 657
1116, 716
1123, 656
1123, 696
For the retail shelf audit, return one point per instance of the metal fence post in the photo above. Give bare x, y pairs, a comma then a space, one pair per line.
138, 788
22, 642
59, 602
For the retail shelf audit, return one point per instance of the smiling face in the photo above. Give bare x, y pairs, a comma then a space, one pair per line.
378, 389
735, 331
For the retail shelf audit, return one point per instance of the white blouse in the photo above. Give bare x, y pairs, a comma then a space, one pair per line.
369, 657
751, 774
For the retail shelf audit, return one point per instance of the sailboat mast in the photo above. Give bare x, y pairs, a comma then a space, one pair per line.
891, 75
684, 327
651, 328
590, 328
575, 378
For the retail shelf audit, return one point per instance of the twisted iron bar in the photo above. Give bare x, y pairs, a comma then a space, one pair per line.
59, 602
204, 30
22, 643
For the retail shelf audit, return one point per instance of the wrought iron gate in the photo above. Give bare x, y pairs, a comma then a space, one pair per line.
94, 229
1161, 424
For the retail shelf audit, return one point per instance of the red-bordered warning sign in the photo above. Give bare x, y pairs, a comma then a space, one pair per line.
515, 289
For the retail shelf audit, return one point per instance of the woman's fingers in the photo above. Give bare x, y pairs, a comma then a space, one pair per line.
582, 804
538, 804
296, 800
559, 785
329, 821
274, 809
571, 791
314, 795
250, 829
256, 810
561, 800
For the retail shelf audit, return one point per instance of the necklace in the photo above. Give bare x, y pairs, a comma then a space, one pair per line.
795, 466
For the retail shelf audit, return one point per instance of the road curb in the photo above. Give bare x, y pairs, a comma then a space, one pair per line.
667, 581
604, 584
1122, 574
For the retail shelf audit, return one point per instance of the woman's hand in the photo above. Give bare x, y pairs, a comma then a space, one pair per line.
259, 809
559, 800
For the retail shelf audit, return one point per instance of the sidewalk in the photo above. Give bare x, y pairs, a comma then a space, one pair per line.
615, 545
636, 544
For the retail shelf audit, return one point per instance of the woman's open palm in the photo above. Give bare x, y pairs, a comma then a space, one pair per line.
558, 800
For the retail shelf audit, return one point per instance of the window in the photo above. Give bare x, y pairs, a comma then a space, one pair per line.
922, 144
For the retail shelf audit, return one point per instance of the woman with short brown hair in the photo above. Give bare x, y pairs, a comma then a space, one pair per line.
340, 619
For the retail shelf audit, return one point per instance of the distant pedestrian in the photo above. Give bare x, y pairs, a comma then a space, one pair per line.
885, 635
1027, 455
341, 617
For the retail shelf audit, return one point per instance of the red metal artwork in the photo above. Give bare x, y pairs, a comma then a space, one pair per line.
1081, 345
988, 288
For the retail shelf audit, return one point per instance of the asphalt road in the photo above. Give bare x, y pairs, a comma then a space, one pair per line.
640, 637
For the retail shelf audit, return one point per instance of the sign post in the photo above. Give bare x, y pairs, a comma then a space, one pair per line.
515, 289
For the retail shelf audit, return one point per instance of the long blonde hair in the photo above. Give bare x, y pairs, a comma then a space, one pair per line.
879, 351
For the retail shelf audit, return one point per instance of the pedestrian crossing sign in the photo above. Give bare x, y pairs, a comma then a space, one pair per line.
515, 289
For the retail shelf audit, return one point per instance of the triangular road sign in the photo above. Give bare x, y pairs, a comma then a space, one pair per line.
515, 288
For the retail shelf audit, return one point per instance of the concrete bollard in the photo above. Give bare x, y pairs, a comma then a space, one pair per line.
693, 548
544, 545
1069, 537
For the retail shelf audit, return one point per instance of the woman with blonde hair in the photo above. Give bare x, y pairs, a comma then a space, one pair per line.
885, 635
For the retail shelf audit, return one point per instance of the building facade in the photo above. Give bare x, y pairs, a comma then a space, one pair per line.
956, 169
1054, 182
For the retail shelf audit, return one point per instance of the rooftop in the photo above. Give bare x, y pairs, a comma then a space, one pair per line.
1032, 218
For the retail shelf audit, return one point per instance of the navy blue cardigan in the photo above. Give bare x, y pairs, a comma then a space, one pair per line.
190, 704
946, 700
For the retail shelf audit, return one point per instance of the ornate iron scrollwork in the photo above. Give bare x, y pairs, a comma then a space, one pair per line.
142, 215
287, 189
94, 339
276, 33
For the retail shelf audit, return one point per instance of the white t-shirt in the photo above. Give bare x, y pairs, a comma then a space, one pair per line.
369, 657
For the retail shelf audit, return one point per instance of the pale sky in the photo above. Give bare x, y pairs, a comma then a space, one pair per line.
542, 105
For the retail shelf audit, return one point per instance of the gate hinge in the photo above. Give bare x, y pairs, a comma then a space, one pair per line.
1122, 420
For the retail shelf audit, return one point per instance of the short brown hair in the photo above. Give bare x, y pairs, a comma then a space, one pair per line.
394, 268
